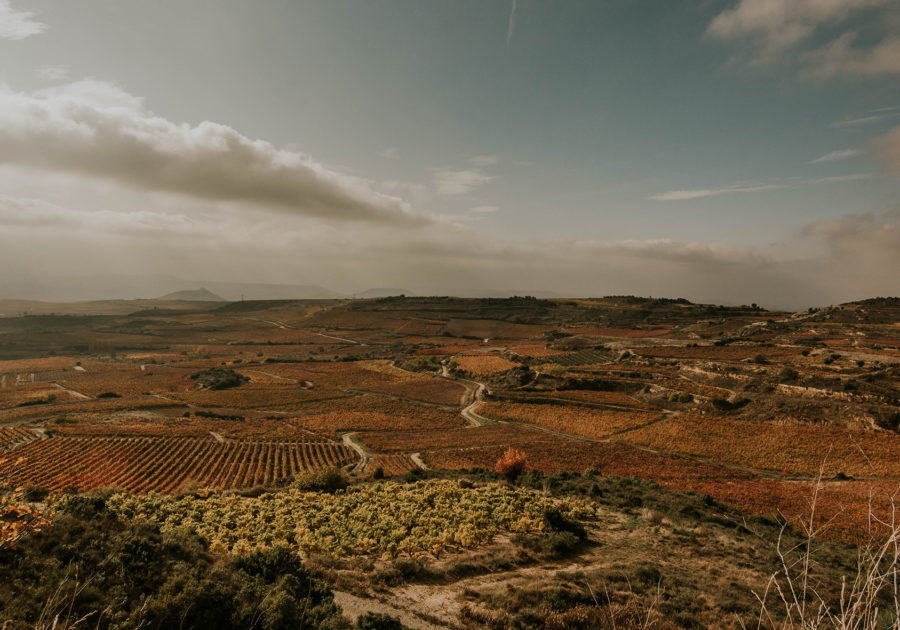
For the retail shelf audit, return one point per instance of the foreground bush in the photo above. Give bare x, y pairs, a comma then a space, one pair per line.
112, 573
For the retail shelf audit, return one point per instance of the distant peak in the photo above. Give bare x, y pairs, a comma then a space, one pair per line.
193, 295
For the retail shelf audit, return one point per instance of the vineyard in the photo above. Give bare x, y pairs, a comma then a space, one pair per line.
494, 434
594, 397
583, 421
791, 449
384, 519
369, 421
390, 465
720, 353
372, 376
583, 357
483, 365
10, 436
148, 464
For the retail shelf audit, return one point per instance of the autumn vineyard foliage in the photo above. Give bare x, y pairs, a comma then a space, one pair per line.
382, 519
144, 464
483, 365
583, 421
801, 450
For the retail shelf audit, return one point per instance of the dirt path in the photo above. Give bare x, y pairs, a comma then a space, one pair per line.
284, 326
72, 392
417, 460
472, 399
354, 606
364, 452
469, 412
353, 341
305, 384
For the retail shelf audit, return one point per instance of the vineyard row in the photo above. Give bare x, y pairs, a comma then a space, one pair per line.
163, 464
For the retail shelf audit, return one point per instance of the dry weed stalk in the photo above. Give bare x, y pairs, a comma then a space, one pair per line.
798, 603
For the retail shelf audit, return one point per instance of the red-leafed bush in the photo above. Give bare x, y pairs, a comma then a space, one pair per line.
512, 463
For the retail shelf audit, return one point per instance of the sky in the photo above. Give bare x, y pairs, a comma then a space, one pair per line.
727, 151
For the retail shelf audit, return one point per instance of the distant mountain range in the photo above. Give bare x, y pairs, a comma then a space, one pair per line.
63, 288
195, 295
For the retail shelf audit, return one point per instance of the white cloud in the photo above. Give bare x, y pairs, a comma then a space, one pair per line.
39, 214
484, 209
96, 129
840, 57
390, 153
451, 183
417, 193
18, 25
683, 195
861, 252
52, 73
778, 27
484, 160
887, 148
832, 156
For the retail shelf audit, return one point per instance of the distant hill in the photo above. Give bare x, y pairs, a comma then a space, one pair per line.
381, 292
195, 295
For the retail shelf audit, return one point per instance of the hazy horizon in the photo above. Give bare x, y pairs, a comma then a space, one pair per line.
724, 151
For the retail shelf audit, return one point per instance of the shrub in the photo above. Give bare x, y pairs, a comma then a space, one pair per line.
554, 521
108, 395
219, 378
680, 397
378, 621
788, 374
759, 360
512, 463
94, 570
322, 480
560, 542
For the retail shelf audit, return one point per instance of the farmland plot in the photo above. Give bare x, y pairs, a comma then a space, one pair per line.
163, 464
583, 421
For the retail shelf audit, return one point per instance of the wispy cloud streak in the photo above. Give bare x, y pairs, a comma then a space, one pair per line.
511, 28
700, 193
843, 154
684, 195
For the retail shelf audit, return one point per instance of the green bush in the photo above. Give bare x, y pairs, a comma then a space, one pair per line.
556, 522
788, 374
378, 621
113, 573
322, 480
219, 378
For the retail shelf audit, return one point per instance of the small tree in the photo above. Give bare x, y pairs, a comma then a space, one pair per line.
512, 463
